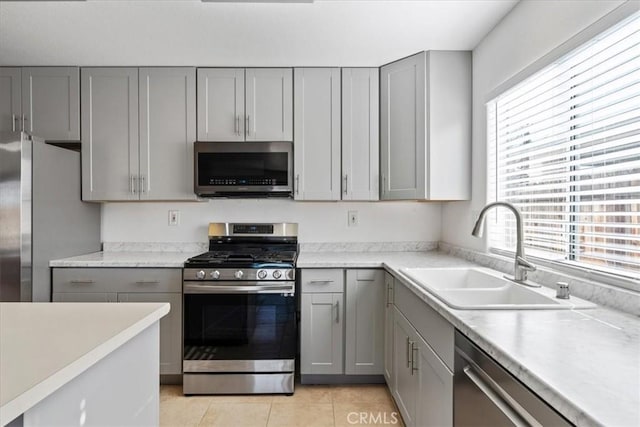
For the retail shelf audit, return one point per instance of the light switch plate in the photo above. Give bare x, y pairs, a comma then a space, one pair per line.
352, 218
174, 218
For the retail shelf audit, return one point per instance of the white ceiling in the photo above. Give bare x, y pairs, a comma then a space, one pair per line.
189, 32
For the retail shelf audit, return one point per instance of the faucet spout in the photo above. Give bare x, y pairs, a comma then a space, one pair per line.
522, 265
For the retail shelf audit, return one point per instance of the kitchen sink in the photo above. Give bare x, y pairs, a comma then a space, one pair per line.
485, 289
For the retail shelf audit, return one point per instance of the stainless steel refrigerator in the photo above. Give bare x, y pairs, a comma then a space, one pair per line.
41, 215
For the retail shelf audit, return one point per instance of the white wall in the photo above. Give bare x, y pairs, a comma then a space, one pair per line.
530, 31
319, 222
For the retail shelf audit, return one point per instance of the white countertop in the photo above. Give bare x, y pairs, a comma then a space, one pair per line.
126, 259
43, 346
584, 363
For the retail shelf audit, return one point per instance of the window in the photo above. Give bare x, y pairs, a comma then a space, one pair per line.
564, 147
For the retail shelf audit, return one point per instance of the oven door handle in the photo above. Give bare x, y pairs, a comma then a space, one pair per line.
237, 289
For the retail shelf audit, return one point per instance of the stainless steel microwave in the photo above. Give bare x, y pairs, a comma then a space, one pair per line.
243, 169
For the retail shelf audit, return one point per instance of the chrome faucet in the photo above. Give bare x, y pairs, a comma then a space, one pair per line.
521, 266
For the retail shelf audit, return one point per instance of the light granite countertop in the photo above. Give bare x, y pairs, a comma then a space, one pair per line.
584, 363
126, 259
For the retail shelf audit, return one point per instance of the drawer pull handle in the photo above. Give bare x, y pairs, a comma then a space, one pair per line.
337, 311
147, 282
414, 358
320, 281
82, 282
408, 352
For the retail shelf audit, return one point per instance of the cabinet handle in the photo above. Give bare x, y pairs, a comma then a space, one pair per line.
389, 295
82, 282
337, 311
24, 119
132, 184
142, 190
346, 180
414, 357
147, 282
320, 281
408, 352
238, 125
13, 122
297, 184
246, 125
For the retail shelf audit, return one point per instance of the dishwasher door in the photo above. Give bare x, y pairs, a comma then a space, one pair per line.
485, 394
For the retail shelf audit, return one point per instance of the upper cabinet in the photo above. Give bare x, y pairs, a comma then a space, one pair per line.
336, 134
317, 134
138, 128
360, 130
253, 104
425, 146
44, 101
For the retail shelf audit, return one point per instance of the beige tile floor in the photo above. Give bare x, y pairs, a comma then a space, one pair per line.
310, 405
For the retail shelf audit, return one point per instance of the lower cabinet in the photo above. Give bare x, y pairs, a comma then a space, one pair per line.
421, 383
130, 285
342, 322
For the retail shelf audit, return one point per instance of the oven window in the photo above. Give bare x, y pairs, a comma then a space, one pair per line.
239, 327
243, 169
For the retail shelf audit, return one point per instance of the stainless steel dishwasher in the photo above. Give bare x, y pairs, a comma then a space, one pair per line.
485, 394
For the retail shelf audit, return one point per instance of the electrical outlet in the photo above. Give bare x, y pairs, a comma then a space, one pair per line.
174, 218
352, 219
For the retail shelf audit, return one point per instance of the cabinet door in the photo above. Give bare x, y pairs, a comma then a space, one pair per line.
317, 134
221, 104
10, 99
170, 328
406, 383
51, 102
321, 334
435, 384
402, 128
365, 294
84, 297
268, 106
388, 330
360, 147
167, 133
109, 103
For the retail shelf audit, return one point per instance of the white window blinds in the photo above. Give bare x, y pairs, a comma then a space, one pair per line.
564, 147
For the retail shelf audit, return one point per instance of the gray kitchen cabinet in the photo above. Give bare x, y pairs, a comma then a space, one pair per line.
134, 123
317, 134
360, 134
51, 102
388, 330
130, 285
364, 328
322, 321
221, 104
422, 383
10, 99
170, 327
167, 132
237, 104
44, 101
109, 103
425, 127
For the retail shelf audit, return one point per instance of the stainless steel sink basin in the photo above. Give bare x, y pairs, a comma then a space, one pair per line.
485, 289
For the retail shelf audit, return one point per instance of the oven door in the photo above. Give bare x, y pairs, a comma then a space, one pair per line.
243, 169
239, 327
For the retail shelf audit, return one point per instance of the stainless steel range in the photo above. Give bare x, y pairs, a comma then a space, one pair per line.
240, 326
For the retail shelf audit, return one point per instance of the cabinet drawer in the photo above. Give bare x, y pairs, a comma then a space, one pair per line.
322, 280
437, 331
116, 280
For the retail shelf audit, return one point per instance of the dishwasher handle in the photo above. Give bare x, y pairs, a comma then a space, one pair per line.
517, 415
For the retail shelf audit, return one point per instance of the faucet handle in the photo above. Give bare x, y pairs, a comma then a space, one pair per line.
526, 265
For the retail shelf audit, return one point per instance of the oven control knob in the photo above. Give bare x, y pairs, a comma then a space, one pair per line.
201, 274
238, 274
277, 274
262, 274
215, 274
